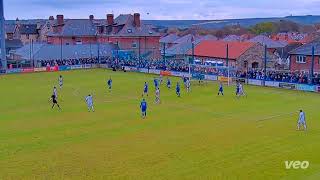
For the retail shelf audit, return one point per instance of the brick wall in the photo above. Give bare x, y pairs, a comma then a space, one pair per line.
25, 39
256, 55
295, 66
147, 44
72, 40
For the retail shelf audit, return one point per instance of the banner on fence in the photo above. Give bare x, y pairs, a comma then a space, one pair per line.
27, 70
255, 82
87, 66
165, 73
42, 69
76, 67
54, 68
127, 68
2, 71
224, 79
154, 71
287, 86
304, 87
241, 80
179, 74
95, 66
64, 68
272, 83
143, 70
13, 71
211, 77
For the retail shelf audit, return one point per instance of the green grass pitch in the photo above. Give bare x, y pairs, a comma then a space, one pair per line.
197, 136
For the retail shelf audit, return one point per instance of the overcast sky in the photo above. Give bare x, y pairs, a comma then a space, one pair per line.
161, 9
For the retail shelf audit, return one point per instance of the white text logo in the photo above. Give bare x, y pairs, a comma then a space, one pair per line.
296, 164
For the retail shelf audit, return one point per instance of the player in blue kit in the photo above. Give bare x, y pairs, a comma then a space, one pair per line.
109, 84
178, 89
168, 83
220, 89
143, 107
145, 89
156, 83
237, 89
185, 81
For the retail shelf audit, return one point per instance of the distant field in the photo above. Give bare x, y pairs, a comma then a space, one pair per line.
199, 136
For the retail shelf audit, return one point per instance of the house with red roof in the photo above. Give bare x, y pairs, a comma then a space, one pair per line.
242, 55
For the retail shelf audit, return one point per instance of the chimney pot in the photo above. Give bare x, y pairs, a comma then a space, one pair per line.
51, 18
91, 17
60, 19
110, 19
136, 17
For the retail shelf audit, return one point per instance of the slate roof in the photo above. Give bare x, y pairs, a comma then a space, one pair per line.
128, 29
77, 27
264, 40
49, 51
28, 29
13, 44
170, 38
187, 39
184, 44
232, 38
217, 49
85, 27
179, 49
306, 49
205, 38
9, 28
284, 52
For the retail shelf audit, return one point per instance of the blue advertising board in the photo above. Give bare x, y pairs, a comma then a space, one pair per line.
13, 71
64, 68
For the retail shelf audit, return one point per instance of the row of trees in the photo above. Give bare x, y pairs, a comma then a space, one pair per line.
261, 28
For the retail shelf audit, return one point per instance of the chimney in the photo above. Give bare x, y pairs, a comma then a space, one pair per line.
136, 17
51, 18
60, 20
110, 20
91, 17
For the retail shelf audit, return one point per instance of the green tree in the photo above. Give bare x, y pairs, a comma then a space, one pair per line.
265, 27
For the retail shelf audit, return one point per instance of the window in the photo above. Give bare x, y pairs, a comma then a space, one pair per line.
301, 59
134, 45
78, 41
28, 36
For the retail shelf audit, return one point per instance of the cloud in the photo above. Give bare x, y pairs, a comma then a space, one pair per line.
160, 9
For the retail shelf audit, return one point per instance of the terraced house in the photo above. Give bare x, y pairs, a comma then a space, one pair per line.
127, 31
301, 57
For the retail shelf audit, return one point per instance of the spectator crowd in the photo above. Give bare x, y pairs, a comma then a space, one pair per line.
183, 66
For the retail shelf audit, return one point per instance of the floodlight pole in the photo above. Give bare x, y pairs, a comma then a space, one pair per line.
3, 41
164, 53
192, 46
312, 67
265, 65
227, 61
